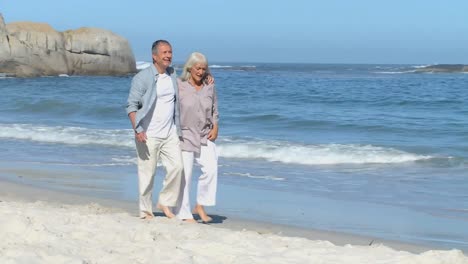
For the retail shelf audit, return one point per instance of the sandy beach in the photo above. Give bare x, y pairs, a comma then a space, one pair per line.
42, 226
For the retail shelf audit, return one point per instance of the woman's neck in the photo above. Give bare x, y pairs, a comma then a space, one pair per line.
197, 85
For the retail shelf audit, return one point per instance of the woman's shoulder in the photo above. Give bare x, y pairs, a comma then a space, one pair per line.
209, 86
181, 82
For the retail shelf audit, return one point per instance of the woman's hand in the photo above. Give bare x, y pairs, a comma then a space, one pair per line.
213, 135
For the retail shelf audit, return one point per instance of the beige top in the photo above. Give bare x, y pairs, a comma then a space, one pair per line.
198, 113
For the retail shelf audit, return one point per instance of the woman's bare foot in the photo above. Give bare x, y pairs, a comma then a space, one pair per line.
165, 210
201, 212
191, 221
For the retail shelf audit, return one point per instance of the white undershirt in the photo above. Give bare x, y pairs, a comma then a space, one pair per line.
162, 120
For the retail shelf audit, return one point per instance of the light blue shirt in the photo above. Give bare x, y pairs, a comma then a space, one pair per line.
143, 95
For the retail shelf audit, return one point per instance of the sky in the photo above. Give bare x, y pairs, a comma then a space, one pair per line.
294, 31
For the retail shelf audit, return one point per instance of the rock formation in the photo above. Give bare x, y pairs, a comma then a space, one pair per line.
4, 46
35, 49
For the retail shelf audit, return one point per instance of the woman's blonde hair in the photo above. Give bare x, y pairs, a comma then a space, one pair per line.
194, 58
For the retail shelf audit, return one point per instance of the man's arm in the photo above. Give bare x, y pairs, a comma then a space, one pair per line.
131, 116
140, 136
135, 95
133, 105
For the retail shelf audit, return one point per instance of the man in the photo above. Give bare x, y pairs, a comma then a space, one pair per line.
153, 109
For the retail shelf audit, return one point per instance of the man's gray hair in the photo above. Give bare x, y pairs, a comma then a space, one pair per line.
157, 43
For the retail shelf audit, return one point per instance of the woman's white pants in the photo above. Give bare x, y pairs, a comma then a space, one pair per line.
207, 159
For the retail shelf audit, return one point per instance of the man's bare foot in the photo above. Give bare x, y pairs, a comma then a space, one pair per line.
147, 216
191, 221
201, 212
165, 210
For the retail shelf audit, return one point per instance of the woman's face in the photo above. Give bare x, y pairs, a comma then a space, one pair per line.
198, 71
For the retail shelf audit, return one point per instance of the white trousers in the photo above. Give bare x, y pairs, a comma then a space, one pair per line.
207, 183
148, 153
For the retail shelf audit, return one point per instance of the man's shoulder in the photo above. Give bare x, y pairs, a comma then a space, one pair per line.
144, 75
144, 72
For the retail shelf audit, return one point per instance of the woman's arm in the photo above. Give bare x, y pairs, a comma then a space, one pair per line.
214, 131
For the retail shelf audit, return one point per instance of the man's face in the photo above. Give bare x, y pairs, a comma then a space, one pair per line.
163, 58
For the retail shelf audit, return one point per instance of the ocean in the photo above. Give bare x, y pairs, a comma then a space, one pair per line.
375, 150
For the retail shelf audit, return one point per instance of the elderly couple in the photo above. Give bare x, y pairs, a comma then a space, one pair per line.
175, 119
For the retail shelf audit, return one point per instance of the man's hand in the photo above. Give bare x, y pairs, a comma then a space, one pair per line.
210, 79
141, 137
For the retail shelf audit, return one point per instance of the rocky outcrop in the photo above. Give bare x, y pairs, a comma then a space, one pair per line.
444, 68
97, 51
35, 49
4, 46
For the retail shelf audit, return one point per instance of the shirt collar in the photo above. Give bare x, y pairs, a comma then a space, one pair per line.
155, 71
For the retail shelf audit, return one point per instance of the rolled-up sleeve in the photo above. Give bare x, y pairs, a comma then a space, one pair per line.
135, 96
215, 106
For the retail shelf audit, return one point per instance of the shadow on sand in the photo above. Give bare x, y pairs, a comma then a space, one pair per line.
217, 219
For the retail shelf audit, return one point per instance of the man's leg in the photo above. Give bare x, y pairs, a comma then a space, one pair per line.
171, 158
147, 159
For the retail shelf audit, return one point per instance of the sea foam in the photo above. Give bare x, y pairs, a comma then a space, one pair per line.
321, 154
68, 135
273, 151
140, 65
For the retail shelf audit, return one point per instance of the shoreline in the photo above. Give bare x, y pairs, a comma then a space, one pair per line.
19, 192
254, 210
43, 226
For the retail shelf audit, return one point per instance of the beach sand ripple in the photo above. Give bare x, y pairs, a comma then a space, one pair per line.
42, 232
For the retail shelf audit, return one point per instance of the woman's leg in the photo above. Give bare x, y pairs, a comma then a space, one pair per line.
183, 207
208, 181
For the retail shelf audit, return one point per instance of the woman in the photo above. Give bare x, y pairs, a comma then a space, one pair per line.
199, 123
